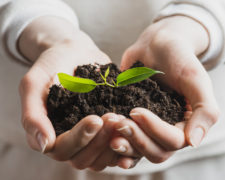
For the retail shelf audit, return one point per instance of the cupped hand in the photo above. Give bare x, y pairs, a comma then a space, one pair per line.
87, 144
172, 45
61, 56
34, 89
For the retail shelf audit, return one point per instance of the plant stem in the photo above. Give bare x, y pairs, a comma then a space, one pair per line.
110, 85
106, 83
115, 85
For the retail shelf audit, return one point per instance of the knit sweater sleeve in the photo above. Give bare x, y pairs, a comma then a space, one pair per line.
15, 15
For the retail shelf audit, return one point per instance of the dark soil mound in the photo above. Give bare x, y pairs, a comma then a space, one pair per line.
66, 108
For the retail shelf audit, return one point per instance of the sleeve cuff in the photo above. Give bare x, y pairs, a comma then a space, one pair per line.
211, 56
24, 15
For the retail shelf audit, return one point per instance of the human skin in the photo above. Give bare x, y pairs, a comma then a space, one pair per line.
172, 45
60, 47
175, 55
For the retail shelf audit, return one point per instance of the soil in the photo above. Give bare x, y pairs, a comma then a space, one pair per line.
66, 109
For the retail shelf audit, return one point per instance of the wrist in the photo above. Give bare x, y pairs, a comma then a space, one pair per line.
192, 34
40, 35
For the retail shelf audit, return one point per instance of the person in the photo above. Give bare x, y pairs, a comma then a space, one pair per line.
179, 38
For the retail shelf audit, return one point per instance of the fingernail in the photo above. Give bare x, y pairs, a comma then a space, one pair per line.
113, 119
42, 141
135, 114
131, 165
197, 137
121, 149
134, 163
121, 117
126, 131
90, 129
93, 127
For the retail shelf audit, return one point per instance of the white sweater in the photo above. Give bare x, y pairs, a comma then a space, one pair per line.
113, 25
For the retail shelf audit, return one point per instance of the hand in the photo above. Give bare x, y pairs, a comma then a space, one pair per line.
97, 155
172, 46
53, 52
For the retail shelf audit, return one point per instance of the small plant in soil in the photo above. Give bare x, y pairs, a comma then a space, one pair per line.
84, 85
91, 92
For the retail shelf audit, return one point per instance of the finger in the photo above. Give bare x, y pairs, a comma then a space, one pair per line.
71, 142
107, 158
195, 84
203, 117
141, 142
168, 136
127, 162
130, 56
121, 116
181, 126
33, 92
122, 146
90, 153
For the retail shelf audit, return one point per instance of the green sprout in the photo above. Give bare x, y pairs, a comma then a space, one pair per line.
84, 85
104, 79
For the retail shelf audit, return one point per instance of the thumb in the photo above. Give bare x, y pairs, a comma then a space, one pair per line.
203, 117
39, 130
130, 56
196, 86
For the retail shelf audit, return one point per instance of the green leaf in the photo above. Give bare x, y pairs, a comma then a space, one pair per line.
75, 84
135, 75
107, 72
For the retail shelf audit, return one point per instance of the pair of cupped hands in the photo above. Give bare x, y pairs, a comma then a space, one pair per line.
170, 45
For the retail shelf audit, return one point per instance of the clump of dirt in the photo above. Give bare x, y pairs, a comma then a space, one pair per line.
66, 109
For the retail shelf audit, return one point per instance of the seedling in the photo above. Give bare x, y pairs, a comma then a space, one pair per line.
84, 85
